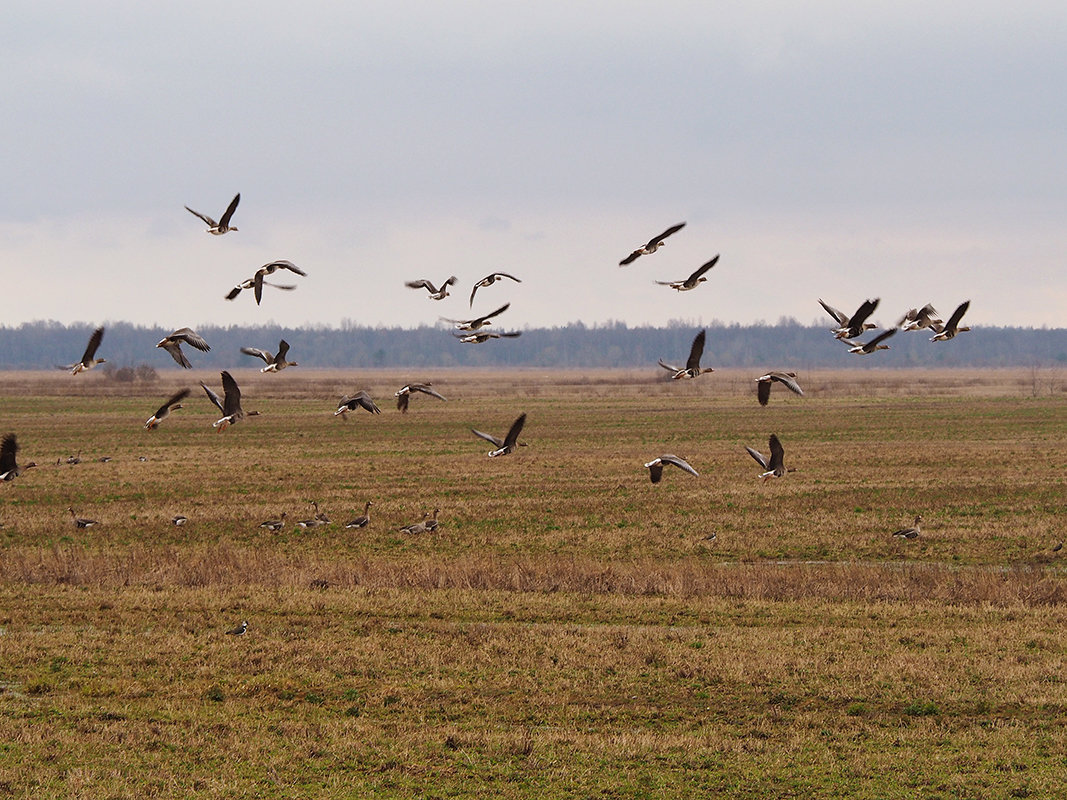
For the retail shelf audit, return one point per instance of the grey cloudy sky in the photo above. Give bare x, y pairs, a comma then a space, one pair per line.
913, 151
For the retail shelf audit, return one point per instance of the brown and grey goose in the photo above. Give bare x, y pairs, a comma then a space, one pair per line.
173, 403
764, 383
652, 245
692, 366
693, 280
173, 345
404, 394
223, 225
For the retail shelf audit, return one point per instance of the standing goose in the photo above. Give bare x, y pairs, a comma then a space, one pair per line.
851, 327
874, 345
173, 345
239, 630
404, 394
918, 318
489, 280
477, 322
223, 225
652, 245
81, 522
481, 337
774, 467
692, 365
88, 359
509, 442
164, 410
231, 409
360, 399
435, 293
9, 469
275, 525
274, 363
693, 280
363, 520
910, 533
764, 383
655, 466
952, 326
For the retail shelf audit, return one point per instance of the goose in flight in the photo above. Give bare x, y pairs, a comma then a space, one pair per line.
918, 318
509, 442
952, 326
653, 244
655, 466
875, 344
81, 522
9, 468
275, 363
360, 399
88, 359
764, 383
477, 322
693, 280
404, 394
909, 533
256, 282
363, 520
164, 410
231, 406
484, 336
435, 293
774, 468
692, 366
173, 345
223, 225
851, 327
489, 280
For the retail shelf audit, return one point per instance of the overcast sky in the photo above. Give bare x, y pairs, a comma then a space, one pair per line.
912, 151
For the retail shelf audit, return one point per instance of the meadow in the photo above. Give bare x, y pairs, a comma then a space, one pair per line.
570, 629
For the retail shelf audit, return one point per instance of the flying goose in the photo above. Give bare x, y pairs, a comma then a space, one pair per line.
764, 383
918, 318
489, 280
173, 345
484, 336
693, 280
363, 520
692, 365
952, 326
417, 527
223, 225
88, 359
403, 396
851, 327
909, 533
509, 442
875, 344
655, 466
274, 363
239, 630
248, 283
81, 522
435, 293
256, 282
274, 525
477, 322
164, 410
361, 399
653, 244
774, 467
231, 407
9, 469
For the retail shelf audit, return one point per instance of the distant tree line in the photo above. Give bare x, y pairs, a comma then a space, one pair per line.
788, 344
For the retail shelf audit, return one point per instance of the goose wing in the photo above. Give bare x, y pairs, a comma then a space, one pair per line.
232, 403
515, 430
425, 389
756, 454
192, 338
283, 264
777, 453
176, 398
842, 318
402, 401
225, 221
283, 349
669, 367
422, 283
957, 315
214, 398
175, 350
696, 351
363, 400
701, 270
210, 222
879, 338
492, 314
681, 463
855, 322
763, 391
9, 448
655, 470
788, 381
94, 342
255, 351
489, 438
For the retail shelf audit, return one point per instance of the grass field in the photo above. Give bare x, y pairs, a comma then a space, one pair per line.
570, 630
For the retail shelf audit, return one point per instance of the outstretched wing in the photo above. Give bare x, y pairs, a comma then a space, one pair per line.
841, 318
703, 269
696, 351
255, 351
214, 398
489, 438
232, 404
681, 463
210, 222
756, 454
225, 221
669, 232
94, 342
515, 430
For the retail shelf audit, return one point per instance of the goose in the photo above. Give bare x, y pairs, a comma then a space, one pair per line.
256, 282
764, 383
231, 409
314, 522
909, 533
363, 520
416, 527
174, 402
918, 318
173, 345
361, 399
75, 459
489, 280
653, 244
275, 524
403, 396
104, 459
875, 344
81, 522
851, 327
223, 225
178, 520
249, 283
509, 442
431, 523
655, 466
275, 363
484, 336
477, 322
88, 359
692, 365
774, 467
693, 280
952, 327
435, 293
9, 468
239, 630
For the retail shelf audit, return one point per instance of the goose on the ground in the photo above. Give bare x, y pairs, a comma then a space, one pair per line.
431, 523
952, 327
178, 520
692, 366
481, 337
88, 359
223, 225
81, 522
363, 520
239, 630
655, 466
417, 527
874, 345
764, 383
652, 245
509, 442
773, 466
851, 327
75, 459
918, 318
910, 533
231, 409
173, 345
275, 363
693, 280
174, 402
275, 524
9, 468
489, 280
404, 394
477, 322
360, 400
435, 293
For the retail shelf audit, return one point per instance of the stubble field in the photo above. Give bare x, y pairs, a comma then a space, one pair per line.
570, 629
